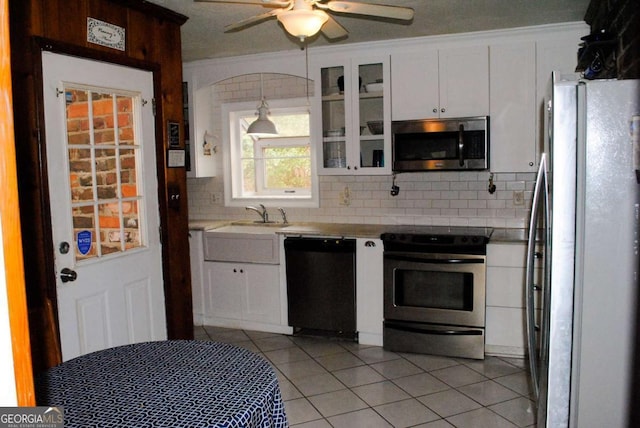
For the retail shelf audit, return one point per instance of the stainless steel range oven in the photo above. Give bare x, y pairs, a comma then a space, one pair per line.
434, 291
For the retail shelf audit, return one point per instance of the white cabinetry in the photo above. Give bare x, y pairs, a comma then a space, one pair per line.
243, 292
347, 104
369, 292
201, 149
242, 286
506, 314
513, 107
452, 82
196, 256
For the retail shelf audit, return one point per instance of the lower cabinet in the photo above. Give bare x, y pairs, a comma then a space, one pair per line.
506, 314
369, 291
196, 256
243, 292
242, 281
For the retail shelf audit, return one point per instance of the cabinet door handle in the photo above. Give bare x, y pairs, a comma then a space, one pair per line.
435, 110
442, 110
369, 244
461, 144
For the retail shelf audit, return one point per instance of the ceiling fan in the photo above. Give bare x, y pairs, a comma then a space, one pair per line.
304, 18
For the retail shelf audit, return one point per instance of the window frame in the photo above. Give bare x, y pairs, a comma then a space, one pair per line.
261, 165
233, 156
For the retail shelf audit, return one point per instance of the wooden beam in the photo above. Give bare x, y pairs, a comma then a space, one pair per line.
11, 237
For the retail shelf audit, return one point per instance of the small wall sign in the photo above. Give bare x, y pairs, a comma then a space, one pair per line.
83, 242
105, 34
173, 134
175, 158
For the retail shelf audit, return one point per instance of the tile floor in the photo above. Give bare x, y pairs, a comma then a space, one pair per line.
333, 383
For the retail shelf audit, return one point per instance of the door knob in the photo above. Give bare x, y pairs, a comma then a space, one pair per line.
67, 275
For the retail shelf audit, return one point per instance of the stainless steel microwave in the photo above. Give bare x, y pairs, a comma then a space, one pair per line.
440, 144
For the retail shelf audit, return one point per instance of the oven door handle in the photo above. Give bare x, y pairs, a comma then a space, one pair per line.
412, 329
433, 260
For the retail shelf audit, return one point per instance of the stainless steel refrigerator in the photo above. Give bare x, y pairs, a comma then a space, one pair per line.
584, 233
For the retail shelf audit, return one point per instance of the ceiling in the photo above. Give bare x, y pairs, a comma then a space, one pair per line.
203, 34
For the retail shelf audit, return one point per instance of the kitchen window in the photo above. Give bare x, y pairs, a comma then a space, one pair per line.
275, 170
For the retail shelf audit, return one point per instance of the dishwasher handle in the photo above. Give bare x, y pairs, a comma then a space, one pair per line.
335, 245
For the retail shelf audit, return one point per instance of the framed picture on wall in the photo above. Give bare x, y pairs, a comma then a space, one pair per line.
173, 133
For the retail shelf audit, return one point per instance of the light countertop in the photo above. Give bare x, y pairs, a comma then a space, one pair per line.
372, 231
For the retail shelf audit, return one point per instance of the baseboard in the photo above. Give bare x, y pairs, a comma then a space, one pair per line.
374, 339
504, 351
247, 325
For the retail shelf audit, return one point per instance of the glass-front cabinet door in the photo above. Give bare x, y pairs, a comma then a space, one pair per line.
355, 118
334, 118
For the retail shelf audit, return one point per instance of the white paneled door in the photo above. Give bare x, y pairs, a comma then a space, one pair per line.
104, 205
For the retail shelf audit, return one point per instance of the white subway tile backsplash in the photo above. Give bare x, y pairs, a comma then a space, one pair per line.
425, 198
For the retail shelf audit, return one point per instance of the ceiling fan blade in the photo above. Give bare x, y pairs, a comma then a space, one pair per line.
258, 2
332, 30
250, 21
384, 11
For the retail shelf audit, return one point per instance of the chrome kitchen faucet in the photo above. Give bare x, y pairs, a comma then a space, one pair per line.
261, 212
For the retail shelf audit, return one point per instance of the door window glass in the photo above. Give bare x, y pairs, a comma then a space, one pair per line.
103, 159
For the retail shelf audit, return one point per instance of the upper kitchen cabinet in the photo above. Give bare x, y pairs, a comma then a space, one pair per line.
202, 145
513, 107
354, 121
451, 82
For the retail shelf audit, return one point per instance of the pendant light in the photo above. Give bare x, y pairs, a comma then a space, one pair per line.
262, 126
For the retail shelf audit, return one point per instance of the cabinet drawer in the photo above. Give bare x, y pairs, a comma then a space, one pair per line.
241, 247
506, 286
509, 255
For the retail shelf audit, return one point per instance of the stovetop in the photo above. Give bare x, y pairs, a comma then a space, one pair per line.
437, 239
460, 231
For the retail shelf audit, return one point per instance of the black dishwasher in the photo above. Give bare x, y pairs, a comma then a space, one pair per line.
321, 286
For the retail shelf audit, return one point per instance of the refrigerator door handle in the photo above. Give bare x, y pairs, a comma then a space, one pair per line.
539, 193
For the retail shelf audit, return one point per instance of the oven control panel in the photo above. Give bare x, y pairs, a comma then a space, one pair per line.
435, 243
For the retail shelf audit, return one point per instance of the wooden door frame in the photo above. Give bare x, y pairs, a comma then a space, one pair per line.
47, 288
152, 43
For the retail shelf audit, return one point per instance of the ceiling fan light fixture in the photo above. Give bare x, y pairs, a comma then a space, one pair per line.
302, 23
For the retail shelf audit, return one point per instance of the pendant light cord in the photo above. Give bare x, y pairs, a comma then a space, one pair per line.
306, 64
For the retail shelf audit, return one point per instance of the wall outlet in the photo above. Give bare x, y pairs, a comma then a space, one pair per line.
344, 198
518, 197
216, 198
